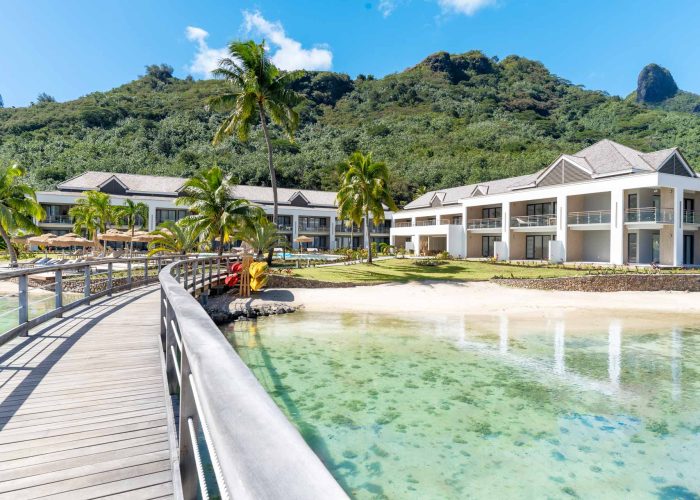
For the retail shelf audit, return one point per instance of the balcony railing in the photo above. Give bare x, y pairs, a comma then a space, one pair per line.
689, 217
590, 217
379, 228
402, 223
313, 228
649, 214
534, 220
451, 220
492, 223
284, 227
57, 219
429, 222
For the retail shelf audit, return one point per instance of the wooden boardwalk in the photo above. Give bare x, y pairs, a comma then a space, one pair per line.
83, 406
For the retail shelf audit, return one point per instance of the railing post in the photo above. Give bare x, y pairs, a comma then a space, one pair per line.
86, 286
58, 291
204, 269
194, 277
188, 409
163, 317
109, 279
170, 342
145, 271
128, 273
23, 297
177, 272
185, 268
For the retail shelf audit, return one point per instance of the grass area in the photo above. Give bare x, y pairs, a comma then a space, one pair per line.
403, 270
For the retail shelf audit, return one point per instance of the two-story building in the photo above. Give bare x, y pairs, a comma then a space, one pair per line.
607, 203
301, 211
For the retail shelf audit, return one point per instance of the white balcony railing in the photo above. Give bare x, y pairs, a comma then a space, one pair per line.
690, 218
455, 221
649, 214
590, 217
57, 219
492, 223
402, 223
534, 220
429, 222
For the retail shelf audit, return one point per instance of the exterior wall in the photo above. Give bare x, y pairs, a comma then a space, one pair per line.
595, 246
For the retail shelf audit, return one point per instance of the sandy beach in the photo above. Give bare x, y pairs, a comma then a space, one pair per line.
478, 298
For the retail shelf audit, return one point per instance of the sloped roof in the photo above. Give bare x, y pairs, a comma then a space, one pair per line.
153, 184
603, 158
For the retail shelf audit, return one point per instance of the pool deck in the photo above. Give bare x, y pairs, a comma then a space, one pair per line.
84, 411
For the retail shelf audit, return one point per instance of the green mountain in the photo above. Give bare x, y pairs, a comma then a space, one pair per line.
450, 120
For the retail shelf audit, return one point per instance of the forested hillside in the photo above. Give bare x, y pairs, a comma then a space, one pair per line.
450, 120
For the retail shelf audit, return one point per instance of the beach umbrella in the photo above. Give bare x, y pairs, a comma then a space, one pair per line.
303, 239
114, 235
43, 240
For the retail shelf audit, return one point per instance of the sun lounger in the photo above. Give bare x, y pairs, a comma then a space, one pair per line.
312, 250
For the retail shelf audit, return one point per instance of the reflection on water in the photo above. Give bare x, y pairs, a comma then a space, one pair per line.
489, 407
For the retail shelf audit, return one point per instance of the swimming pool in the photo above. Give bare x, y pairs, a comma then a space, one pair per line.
491, 407
307, 256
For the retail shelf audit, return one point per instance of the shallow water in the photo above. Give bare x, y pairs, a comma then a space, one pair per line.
492, 407
40, 302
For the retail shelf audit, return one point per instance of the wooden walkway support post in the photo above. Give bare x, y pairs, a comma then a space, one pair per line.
23, 303
58, 291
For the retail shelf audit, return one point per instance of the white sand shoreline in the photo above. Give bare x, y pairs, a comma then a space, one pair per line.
478, 298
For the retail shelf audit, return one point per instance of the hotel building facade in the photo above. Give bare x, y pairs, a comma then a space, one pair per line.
608, 203
301, 211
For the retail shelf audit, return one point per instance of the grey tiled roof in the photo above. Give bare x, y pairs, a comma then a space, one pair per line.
605, 157
152, 184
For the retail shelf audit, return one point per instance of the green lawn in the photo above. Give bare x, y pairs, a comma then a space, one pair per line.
402, 270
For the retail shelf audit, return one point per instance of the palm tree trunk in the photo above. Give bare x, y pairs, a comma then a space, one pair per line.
368, 240
10, 248
273, 175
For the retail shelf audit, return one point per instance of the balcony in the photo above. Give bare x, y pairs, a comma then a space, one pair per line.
492, 223
341, 227
689, 217
649, 215
57, 219
429, 222
527, 221
284, 228
379, 228
457, 221
312, 228
589, 217
402, 223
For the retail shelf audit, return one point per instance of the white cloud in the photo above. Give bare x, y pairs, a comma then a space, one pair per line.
206, 59
467, 7
386, 7
288, 53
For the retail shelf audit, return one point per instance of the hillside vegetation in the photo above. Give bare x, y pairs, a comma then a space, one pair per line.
450, 120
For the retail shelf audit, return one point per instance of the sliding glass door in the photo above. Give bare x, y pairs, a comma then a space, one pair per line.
537, 246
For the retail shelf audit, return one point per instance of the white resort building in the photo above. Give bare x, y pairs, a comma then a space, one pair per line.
301, 211
608, 203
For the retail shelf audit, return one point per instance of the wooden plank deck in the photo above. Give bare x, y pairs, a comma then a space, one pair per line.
83, 406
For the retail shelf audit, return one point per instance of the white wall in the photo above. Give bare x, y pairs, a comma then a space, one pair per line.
595, 246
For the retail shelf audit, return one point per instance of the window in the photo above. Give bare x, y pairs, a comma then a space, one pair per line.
549, 208
487, 244
632, 248
632, 201
537, 246
174, 215
491, 213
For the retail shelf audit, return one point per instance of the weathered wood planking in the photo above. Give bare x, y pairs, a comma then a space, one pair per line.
83, 408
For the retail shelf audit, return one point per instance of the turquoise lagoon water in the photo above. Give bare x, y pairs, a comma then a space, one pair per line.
40, 302
493, 407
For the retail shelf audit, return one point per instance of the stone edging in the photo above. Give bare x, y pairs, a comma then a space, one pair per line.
610, 283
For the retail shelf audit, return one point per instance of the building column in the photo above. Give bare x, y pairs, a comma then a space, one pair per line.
617, 227
416, 244
505, 230
331, 235
562, 222
678, 227
295, 230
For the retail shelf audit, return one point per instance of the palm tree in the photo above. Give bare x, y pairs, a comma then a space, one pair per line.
363, 192
92, 214
18, 207
215, 214
259, 90
130, 212
263, 237
174, 238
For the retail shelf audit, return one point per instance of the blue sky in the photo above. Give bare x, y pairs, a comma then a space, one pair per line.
70, 48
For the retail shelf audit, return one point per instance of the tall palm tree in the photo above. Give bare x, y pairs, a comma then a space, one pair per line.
18, 207
259, 90
263, 236
215, 215
364, 190
93, 214
131, 212
174, 238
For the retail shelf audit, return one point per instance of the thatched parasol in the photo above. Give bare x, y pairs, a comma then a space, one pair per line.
114, 235
41, 240
303, 239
